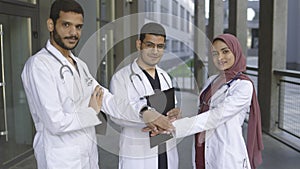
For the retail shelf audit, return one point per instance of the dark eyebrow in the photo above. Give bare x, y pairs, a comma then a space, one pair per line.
79, 25
154, 43
64, 22
148, 42
224, 48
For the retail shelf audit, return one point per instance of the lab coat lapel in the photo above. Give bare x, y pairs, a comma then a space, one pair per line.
61, 57
148, 87
75, 83
164, 84
56, 53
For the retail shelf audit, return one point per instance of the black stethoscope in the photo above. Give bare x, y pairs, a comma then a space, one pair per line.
228, 84
131, 76
62, 65
88, 80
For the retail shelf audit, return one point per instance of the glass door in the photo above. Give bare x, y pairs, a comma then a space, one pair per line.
16, 127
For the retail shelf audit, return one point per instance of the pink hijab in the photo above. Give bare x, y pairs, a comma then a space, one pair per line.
254, 134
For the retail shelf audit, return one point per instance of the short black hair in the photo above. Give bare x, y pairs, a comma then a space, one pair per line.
65, 6
153, 29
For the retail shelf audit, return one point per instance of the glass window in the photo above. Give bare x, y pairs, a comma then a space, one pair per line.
15, 120
175, 13
164, 10
182, 47
188, 21
174, 46
150, 8
182, 16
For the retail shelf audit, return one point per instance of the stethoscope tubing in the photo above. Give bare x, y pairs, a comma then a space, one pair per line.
132, 74
62, 65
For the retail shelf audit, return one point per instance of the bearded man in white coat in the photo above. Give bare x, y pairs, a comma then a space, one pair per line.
142, 78
64, 99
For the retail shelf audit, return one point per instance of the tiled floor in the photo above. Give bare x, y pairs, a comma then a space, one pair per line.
278, 155
275, 156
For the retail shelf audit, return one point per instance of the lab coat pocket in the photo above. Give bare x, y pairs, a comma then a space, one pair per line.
236, 159
68, 106
65, 88
64, 157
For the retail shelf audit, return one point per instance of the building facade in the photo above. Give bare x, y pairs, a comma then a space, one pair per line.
112, 27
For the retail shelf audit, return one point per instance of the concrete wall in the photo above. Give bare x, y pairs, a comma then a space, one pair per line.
293, 43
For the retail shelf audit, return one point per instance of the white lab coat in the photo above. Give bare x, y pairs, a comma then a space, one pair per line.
65, 134
224, 143
135, 151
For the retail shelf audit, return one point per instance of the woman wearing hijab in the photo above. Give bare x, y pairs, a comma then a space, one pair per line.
224, 103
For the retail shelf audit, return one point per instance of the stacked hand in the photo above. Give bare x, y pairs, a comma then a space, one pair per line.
96, 99
158, 123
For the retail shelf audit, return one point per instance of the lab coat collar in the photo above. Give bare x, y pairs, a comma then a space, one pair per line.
164, 84
136, 68
58, 54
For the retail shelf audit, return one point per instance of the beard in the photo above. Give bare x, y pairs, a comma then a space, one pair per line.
58, 39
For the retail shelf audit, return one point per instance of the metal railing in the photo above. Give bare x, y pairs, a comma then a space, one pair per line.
287, 121
289, 101
289, 98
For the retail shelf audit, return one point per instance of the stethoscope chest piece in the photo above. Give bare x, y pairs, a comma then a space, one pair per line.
62, 65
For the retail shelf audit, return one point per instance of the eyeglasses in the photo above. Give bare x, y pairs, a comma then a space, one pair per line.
152, 45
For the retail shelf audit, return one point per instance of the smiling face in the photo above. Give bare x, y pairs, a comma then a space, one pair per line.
151, 50
66, 32
223, 58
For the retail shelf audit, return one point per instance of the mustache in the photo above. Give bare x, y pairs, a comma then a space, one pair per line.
72, 37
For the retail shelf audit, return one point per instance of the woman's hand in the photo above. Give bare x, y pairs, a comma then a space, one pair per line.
174, 114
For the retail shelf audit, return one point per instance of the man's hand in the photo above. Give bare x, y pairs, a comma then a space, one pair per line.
96, 99
155, 132
174, 114
157, 122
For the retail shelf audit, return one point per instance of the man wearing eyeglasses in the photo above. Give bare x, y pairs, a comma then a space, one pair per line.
143, 78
